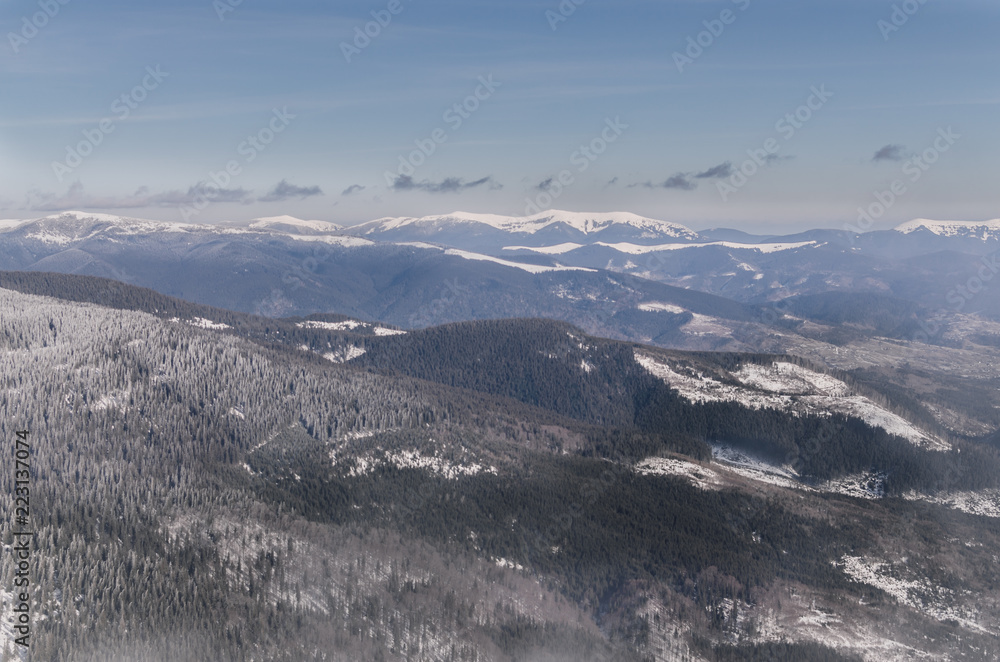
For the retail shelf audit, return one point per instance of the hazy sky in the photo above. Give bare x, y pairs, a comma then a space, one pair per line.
318, 120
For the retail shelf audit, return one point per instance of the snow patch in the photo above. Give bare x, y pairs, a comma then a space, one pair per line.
985, 503
787, 387
530, 268
558, 249
344, 354
346, 325
656, 307
638, 249
414, 460
702, 477
383, 331
919, 593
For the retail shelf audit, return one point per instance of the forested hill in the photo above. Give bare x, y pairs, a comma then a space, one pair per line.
196, 496
773, 406
557, 367
290, 332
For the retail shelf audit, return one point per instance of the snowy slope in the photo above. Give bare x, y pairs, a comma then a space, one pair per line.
530, 268
582, 222
292, 224
10, 223
637, 249
985, 230
786, 387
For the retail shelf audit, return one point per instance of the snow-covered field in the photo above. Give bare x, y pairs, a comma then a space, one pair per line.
786, 387
351, 325
202, 323
410, 459
754, 468
344, 354
917, 592
985, 503
702, 477
636, 249
656, 307
346, 325
530, 268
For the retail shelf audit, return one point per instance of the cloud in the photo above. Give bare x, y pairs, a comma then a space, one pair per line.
612, 182
447, 185
681, 181
352, 189
76, 198
285, 191
776, 158
685, 181
890, 153
720, 171
545, 185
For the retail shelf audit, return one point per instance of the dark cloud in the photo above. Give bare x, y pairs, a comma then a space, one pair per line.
546, 184
447, 185
890, 153
285, 191
352, 189
686, 181
76, 198
200, 192
681, 181
614, 180
720, 171
775, 158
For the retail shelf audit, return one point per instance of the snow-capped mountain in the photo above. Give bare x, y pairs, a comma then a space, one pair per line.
73, 226
983, 230
292, 225
491, 232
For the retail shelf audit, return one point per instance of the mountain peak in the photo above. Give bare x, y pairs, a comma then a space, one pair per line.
971, 229
84, 215
584, 223
291, 223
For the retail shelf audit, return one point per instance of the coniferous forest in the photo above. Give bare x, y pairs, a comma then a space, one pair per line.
479, 491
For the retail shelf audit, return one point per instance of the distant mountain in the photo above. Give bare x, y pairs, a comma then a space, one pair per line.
292, 225
490, 233
408, 284
981, 230
604, 272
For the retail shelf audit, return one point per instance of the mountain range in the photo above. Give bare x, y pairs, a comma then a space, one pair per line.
472, 437
507, 490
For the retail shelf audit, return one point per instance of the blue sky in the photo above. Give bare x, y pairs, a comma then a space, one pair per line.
266, 89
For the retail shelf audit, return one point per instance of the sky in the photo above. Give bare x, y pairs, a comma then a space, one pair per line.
751, 114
